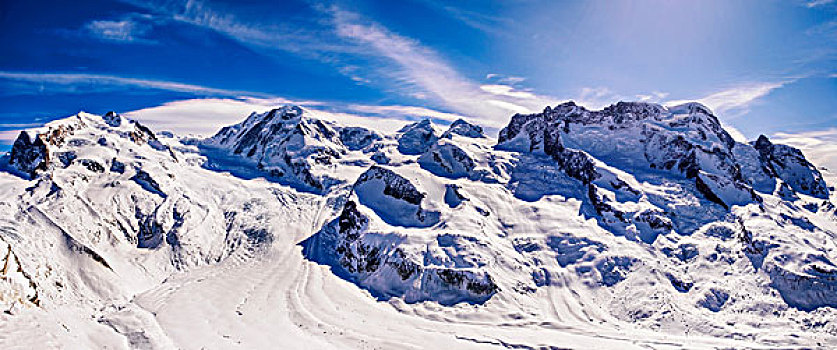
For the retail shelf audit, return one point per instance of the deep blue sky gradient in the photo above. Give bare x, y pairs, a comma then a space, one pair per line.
764, 66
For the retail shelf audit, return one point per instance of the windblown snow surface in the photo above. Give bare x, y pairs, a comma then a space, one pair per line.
637, 226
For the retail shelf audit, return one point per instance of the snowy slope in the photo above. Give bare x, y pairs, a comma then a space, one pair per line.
634, 226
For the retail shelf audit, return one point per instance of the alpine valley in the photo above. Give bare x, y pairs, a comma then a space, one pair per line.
632, 227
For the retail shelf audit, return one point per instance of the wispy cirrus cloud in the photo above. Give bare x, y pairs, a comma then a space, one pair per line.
19, 125
816, 3
485, 22
422, 70
507, 90
504, 79
130, 28
302, 36
735, 101
82, 82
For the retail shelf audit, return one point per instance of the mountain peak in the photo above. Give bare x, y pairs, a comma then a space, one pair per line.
286, 112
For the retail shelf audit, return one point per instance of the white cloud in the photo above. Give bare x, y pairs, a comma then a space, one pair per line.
7, 137
73, 82
506, 90
19, 125
504, 79
654, 96
200, 117
734, 101
597, 98
129, 29
815, 3
736, 134
204, 117
403, 111
484, 22
739, 97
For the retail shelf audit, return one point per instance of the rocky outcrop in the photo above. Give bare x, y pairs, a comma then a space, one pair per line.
112, 119
724, 191
790, 165
29, 156
31, 151
17, 286
813, 287
453, 197
448, 160
141, 134
357, 138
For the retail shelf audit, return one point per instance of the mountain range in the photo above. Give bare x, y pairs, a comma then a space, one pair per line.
634, 226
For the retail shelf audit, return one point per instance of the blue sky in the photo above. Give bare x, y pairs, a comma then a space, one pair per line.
762, 66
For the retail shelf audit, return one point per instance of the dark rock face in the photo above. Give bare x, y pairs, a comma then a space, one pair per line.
656, 220
683, 252
31, 156
576, 164
417, 138
681, 285
463, 128
790, 165
112, 119
601, 205
394, 198
150, 234
117, 166
813, 287
147, 182
92, 165
466, 280
452, 196
543, 133
714, 299
395, 186
142, 134
724, 191
357, 138
354, 256
614, 269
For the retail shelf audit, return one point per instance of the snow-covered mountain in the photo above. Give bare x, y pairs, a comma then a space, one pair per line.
633, 226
